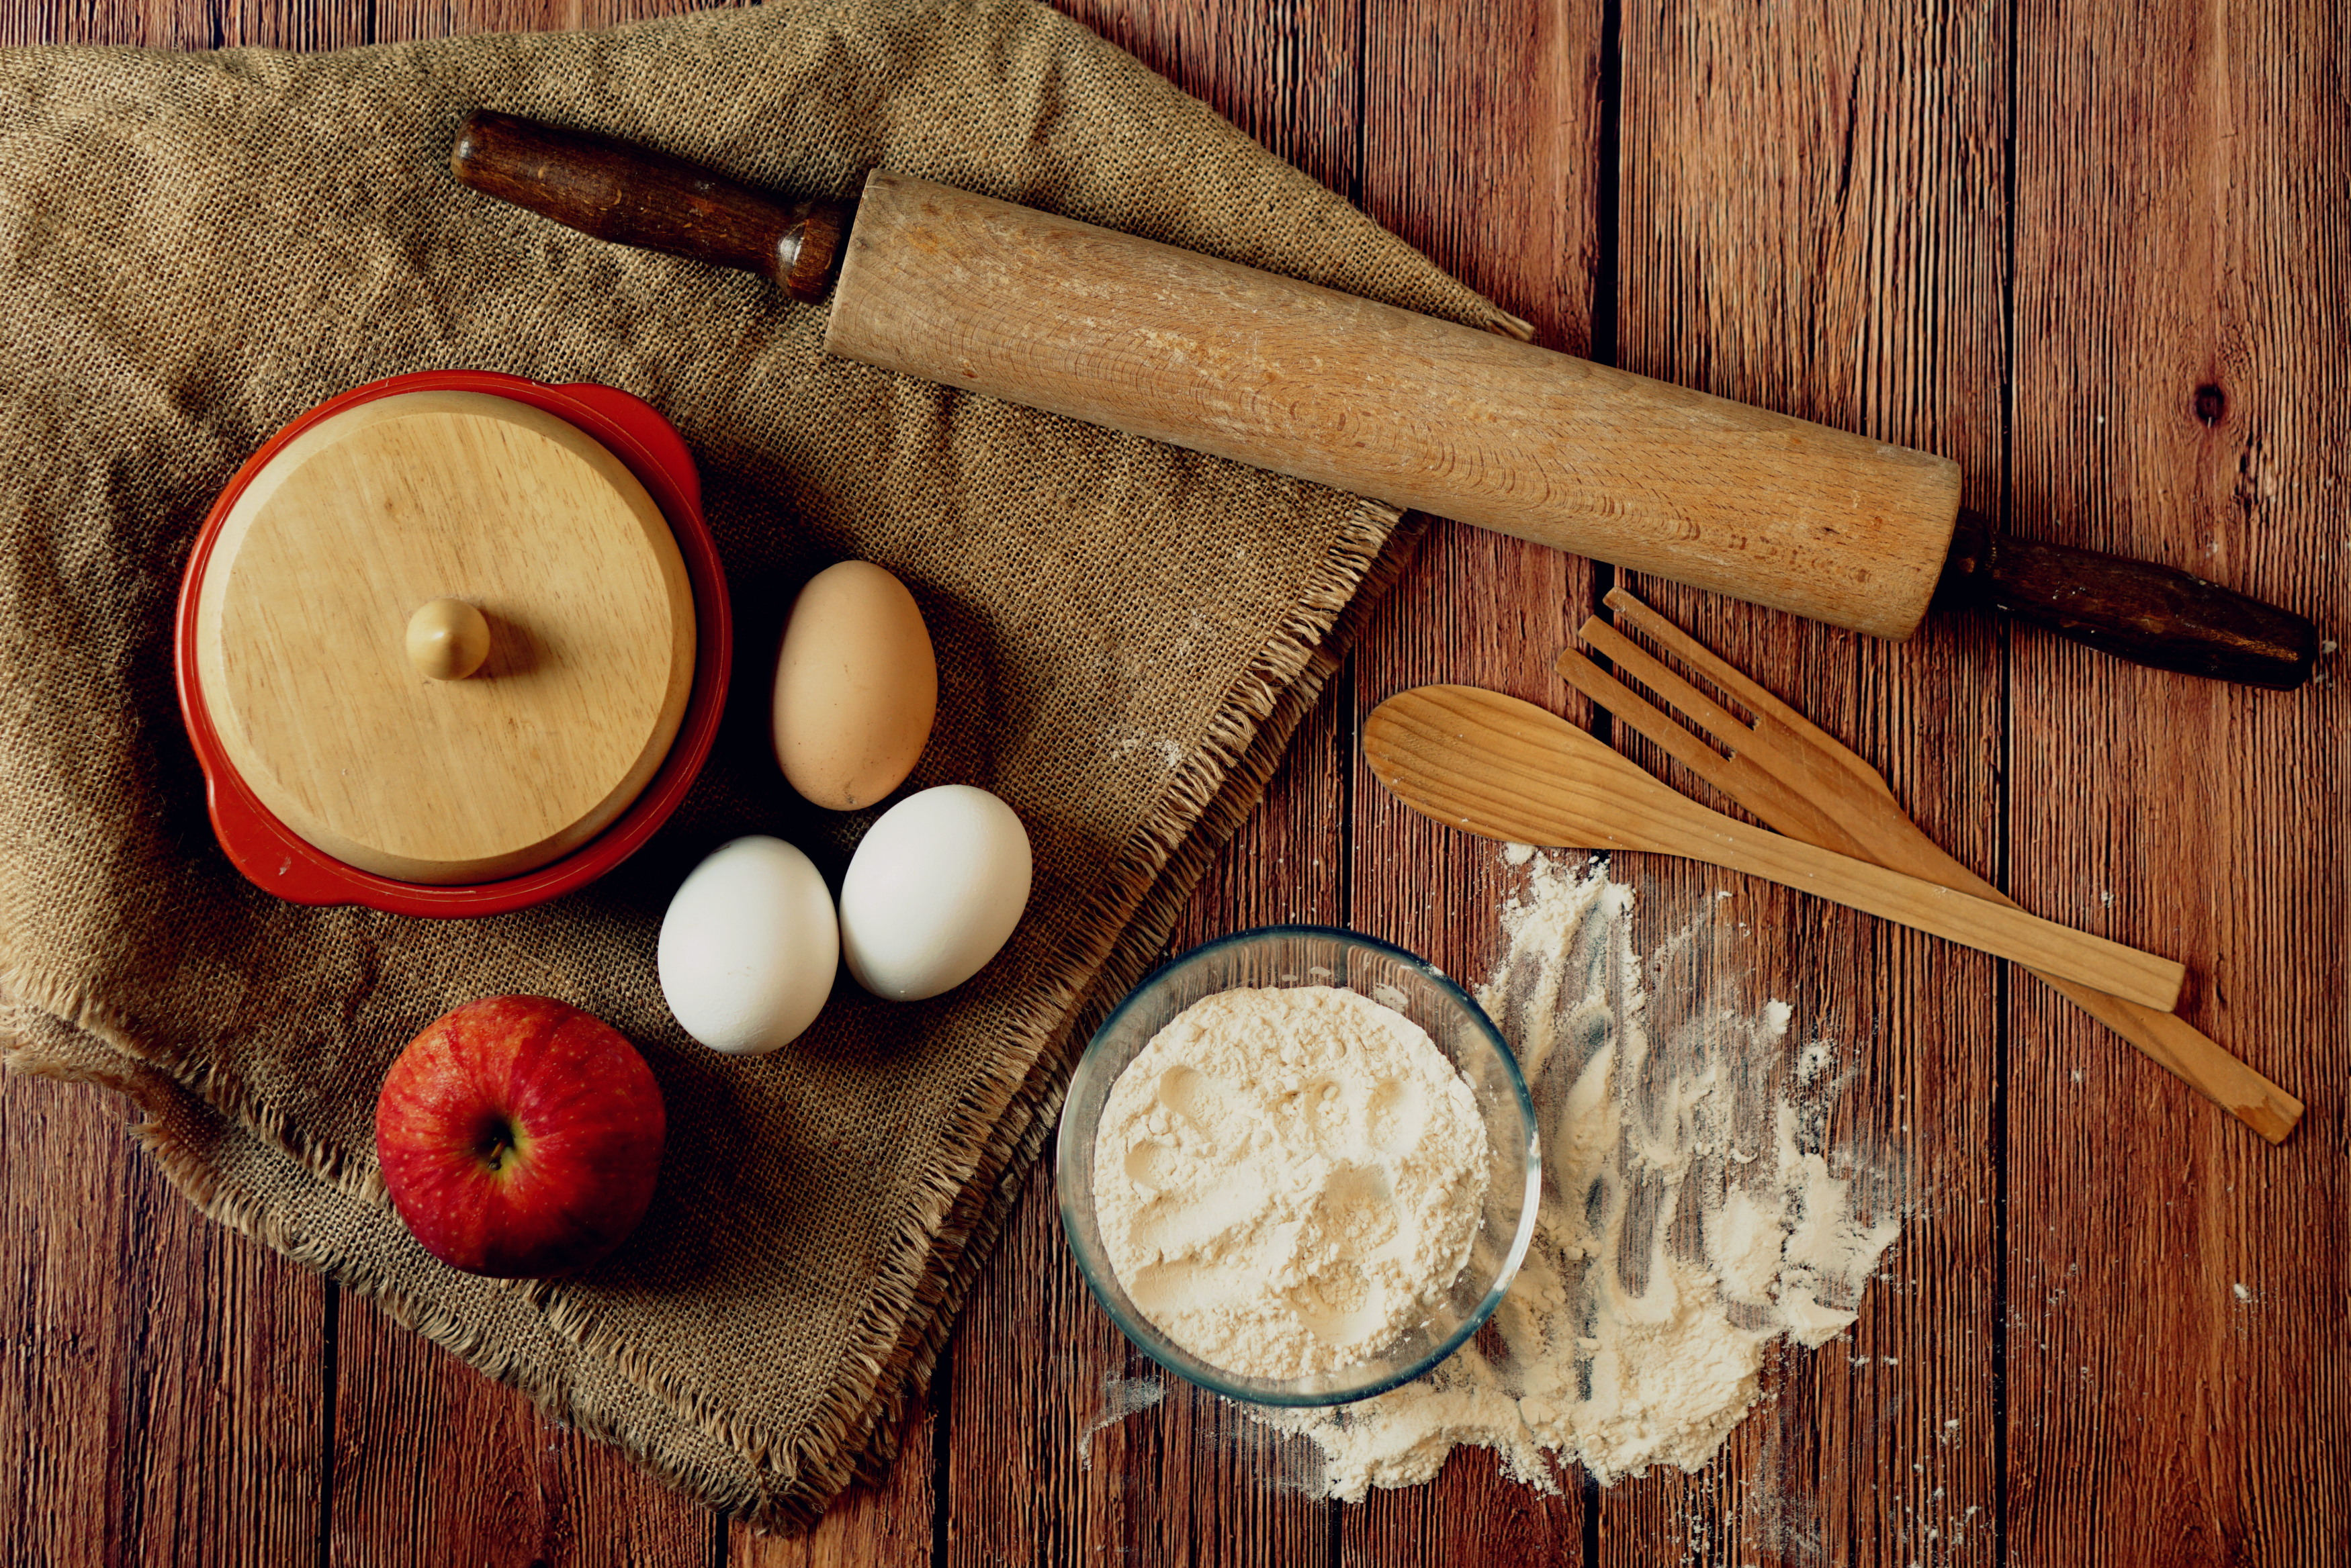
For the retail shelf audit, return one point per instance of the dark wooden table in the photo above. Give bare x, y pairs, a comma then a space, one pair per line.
2099, 256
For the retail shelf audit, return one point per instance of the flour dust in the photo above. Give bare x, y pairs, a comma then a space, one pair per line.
1692, 1213
1122, 1397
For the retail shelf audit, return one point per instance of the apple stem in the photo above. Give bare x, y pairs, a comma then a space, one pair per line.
499, 1143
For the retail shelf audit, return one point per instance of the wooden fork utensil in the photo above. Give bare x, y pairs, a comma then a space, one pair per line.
1808, 785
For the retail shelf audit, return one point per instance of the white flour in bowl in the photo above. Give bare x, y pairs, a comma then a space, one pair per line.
1690, 1214
1287, 1178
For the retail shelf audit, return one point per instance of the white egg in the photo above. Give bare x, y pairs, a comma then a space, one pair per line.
933, 890
750, 947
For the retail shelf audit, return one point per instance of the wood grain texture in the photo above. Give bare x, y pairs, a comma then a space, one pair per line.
972, 291
889, 1524
164, 1400
1510, 771
435, 1464
418, 497
1483, 143
1036, 1367
1066, 1444
1811, 211
632, 195
1290, 75
1802, 781
1811, 216
2177, 1299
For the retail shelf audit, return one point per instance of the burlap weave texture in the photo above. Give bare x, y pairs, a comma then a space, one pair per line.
195, 249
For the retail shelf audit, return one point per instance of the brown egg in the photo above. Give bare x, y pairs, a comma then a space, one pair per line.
856, 687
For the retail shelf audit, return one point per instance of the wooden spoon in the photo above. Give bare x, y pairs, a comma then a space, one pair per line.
1503, 769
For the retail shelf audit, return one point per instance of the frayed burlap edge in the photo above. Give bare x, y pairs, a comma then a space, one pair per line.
995, 1191
997, 1125
994, 1128
182, 1131
993, 1134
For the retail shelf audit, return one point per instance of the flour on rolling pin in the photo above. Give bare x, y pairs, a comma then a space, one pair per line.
1621, 1349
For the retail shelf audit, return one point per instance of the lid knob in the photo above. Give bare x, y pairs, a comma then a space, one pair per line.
448, 639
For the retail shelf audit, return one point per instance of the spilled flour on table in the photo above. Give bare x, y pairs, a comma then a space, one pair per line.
1690, 1214
1122, 1397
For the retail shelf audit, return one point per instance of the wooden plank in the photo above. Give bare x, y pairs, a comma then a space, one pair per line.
164, 1397
1480, 148
188, 23
1287, 75
1482, 135
2175, 1293
402, 20
307, 25
436, 1464
1042, 1466
1811, 217
1043, 1469
1039, 1469
889, 1524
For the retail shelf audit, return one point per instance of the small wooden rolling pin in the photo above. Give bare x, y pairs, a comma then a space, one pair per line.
1146, 339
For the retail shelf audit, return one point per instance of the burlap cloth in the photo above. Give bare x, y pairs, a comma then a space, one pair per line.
195, 249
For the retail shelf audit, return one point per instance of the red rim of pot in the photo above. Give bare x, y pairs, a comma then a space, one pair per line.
277, 860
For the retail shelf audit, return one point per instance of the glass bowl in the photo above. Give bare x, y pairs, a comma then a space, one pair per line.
1317, 955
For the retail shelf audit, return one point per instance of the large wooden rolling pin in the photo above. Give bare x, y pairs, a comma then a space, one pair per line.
1182, 347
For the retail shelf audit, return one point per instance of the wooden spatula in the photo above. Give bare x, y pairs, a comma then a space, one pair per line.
1803, 781
1507, 770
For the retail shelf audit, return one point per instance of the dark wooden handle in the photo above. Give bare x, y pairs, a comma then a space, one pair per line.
2151, 615
617, 191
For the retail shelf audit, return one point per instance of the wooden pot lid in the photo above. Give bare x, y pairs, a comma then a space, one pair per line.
354, 578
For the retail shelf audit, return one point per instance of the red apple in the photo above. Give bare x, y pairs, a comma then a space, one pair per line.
519, 1136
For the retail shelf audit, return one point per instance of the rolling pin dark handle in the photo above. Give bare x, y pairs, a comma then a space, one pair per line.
617, 191
2151, 615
